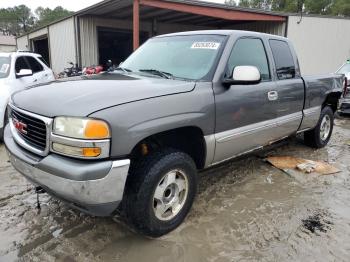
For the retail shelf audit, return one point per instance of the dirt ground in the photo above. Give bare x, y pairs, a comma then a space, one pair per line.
246, 210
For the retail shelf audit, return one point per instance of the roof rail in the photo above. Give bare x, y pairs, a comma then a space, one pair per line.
24, 51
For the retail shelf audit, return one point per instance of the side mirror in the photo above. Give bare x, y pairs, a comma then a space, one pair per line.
244, 75
24, 72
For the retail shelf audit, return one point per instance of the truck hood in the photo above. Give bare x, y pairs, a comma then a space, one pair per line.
82, 96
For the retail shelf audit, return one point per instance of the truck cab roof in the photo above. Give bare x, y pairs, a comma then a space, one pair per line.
19, 53
226, 33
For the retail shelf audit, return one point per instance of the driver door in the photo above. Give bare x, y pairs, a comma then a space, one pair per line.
245, 114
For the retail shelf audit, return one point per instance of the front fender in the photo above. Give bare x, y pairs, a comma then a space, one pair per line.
133, 122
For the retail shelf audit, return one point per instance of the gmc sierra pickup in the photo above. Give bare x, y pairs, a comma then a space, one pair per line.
131, 141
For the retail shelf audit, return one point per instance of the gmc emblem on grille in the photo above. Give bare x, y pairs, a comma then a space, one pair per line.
20, 126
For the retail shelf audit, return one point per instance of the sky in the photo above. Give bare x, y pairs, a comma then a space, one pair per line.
72, 5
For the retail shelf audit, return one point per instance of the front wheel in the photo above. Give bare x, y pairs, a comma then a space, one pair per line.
160, 192
321, 134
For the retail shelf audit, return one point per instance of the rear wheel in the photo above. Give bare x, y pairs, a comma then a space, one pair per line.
160, 192
321, 134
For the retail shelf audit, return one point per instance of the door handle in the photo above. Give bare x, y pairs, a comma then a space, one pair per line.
35, 80
272, 95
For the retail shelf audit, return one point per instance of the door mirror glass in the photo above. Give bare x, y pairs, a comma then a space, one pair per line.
244, 75
24, 72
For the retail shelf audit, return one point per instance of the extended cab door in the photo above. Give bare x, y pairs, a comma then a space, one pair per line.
289, 87
245, 114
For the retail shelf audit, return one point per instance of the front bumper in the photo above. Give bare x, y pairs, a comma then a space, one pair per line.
96, 188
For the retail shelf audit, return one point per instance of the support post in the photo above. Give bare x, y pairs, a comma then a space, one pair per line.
136, 24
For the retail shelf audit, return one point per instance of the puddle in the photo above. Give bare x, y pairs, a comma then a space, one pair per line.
317, 222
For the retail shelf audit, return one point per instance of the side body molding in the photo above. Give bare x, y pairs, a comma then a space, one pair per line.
232, 143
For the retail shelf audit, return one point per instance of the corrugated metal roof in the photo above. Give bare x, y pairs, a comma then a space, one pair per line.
7, 40
107, 6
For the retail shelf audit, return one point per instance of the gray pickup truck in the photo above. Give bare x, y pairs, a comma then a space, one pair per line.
130, 142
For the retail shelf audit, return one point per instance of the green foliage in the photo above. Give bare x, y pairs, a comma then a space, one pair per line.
46, 15
230, 2
20, 19
341, 8
16, 20
321, 7
291, 6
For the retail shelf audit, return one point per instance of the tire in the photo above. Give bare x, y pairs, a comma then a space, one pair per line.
151, 189
321, 134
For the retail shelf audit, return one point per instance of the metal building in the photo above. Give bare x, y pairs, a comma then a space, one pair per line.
112, 29
7, 43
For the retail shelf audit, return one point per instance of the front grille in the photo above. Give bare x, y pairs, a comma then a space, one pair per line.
34, 131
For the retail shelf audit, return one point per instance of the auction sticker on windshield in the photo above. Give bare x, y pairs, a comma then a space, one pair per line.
4, 68
205, 45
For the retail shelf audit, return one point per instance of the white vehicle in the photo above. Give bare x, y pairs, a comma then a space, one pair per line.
344, 107
19, 70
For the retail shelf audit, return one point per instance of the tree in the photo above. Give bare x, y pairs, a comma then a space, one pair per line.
230, 2
340, 8
244, 3
20, 19
285, 6
258, 4
16, 20
7, 20
24, 17
47, 15
319, 6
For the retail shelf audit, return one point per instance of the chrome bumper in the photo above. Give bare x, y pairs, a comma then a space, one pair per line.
98, 196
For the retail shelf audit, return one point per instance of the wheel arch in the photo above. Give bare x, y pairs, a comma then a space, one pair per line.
188, 139
331, 100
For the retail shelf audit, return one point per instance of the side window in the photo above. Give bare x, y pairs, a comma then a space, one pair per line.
284, 61
34, 64
21, 63
249, 52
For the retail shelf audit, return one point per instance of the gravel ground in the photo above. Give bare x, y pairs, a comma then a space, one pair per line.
246, 210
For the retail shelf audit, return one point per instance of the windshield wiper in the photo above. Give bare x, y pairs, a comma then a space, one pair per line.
158, 73
125, 70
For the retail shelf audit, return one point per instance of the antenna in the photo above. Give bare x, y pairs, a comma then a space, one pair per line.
300, 6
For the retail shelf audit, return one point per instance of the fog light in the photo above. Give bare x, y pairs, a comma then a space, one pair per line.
76, 151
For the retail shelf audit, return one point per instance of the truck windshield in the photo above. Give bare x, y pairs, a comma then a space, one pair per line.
187, 57
344, 69
4, 66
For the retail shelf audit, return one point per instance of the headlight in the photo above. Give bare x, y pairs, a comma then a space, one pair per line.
81, 128
80, 137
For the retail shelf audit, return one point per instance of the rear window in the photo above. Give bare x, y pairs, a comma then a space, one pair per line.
284, 61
